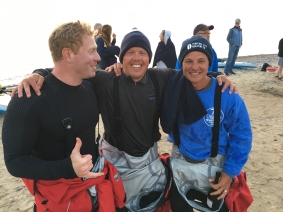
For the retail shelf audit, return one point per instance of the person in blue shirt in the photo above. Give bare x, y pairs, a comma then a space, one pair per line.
235, 40
192, 112
204, 31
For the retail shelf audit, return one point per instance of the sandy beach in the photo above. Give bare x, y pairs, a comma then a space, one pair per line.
262, 93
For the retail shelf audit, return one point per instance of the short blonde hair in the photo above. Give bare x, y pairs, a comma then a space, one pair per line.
68, 35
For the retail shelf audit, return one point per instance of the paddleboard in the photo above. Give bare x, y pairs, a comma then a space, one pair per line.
238, 65
4, 101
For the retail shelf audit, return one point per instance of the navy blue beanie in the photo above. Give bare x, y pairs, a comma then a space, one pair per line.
135, 39
196, 43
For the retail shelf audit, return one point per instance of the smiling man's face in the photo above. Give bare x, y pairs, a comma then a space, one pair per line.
135, 63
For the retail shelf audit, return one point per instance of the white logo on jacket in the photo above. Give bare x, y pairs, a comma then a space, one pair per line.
209, 117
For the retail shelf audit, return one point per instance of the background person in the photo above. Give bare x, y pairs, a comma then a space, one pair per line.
204, 31
235, 40
165, 54
106, 48
280, 59
97, 30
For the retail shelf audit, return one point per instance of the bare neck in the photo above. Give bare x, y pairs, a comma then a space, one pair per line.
66, 74
202, 85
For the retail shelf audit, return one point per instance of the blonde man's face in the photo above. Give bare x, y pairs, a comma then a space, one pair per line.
86, 58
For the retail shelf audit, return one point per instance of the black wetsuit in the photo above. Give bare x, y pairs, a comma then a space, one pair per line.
137, 107
33, 135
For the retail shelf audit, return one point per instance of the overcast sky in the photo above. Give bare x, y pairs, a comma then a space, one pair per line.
25, 25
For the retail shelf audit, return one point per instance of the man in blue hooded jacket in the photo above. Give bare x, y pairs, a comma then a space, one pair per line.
196, 156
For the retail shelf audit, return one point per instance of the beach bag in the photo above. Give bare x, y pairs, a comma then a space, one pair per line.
271, 69
264, 66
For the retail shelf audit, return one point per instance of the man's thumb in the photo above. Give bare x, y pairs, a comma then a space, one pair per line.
78, 145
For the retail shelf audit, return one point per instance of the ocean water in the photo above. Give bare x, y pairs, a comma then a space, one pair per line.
26, 25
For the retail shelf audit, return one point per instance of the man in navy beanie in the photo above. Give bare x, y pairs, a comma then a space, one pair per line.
196, 155
196, 43
129, 106
135, 39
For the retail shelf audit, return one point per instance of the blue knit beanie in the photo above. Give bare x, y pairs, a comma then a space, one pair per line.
135, 39
196, 43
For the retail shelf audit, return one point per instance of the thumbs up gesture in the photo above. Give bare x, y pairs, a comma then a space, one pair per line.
82, 164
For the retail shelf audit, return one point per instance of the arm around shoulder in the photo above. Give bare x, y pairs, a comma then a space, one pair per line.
43, 71
35, 80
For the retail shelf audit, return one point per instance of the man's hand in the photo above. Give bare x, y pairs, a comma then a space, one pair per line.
223, 186
117, 67
33, 80
228, 83
82, 164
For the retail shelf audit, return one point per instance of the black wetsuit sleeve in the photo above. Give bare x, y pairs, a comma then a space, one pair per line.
163, 74
43, 71
20, 136
101, 80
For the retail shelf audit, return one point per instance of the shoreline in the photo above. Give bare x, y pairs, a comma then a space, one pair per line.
18, 78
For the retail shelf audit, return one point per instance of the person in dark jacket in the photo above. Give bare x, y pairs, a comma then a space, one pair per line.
107, 50
280, 60
165, 54
235, 40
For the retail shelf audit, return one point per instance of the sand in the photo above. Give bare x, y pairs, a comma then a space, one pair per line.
262, 93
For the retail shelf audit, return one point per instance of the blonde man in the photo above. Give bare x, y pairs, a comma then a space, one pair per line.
48, 140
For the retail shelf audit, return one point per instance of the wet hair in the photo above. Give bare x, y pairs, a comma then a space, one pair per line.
68, 35
106, 32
